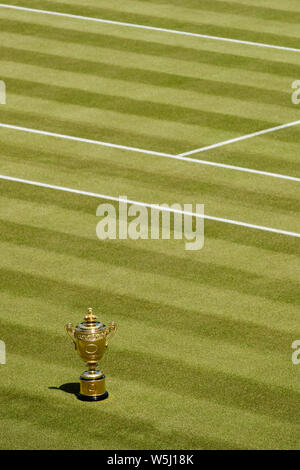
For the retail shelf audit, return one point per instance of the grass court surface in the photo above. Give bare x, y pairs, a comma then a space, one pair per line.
202, 356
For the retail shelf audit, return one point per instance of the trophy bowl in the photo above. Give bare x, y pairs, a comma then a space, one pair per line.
90, 338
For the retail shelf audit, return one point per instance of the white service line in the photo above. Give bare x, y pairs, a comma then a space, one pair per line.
150, 152
239, 139
80, 139
151, 28
151, 206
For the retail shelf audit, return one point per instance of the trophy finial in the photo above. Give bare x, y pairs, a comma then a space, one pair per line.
90, 317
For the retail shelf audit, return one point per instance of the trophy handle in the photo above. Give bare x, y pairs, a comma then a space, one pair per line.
110, 331
70, 330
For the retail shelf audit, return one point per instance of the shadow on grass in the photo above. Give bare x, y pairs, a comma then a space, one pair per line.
72, 387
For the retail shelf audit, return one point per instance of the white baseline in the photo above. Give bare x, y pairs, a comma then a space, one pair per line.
151, 28
151, 206
180, 157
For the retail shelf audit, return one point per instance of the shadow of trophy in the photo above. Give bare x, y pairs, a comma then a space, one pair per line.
73, 388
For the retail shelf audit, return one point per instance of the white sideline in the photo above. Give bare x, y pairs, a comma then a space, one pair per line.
152, 28
81, 139
238, 139
149, 152
145, 204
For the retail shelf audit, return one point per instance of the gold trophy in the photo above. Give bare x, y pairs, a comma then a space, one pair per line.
91, 339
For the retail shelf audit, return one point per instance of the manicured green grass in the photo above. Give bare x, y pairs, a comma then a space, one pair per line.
202, 356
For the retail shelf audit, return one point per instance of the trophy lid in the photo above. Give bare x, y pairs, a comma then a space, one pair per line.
90, 321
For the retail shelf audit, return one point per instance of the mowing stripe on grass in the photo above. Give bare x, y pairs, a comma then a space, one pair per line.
151, 206
238, 139
81, 139
151, 28
160, 154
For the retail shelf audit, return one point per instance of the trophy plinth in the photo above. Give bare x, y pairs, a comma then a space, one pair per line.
92, 386
91, 340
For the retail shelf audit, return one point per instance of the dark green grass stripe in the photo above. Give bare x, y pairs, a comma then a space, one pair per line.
157, 21
99, 131
267, 241
233, 8
131, 432
23, 192
253, 238
143, 108
226, 59
258, 160
210, 274
198, 382
137, 75
189, 186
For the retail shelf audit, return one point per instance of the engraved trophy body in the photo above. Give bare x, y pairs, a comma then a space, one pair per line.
91, 339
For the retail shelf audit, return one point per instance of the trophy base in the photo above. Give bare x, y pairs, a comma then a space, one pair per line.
92, 386
92, 398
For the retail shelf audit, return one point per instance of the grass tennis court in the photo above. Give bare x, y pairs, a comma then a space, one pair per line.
202, 356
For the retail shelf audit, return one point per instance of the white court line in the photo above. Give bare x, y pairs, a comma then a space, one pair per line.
149, 152
151, 206
80, 139
238, 139
151, 28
